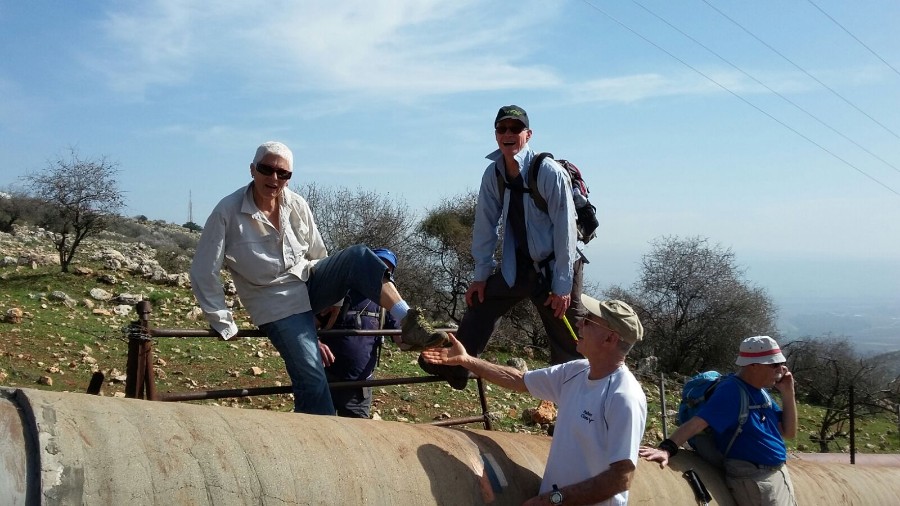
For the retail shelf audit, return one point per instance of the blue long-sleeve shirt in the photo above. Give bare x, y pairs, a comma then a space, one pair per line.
547, 233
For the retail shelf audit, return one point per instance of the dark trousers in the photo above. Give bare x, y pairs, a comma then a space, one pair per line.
482, 318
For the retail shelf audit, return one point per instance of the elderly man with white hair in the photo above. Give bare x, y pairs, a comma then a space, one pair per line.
755, 470
265, 235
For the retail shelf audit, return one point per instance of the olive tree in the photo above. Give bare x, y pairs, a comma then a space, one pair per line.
79, 197
443, 238
695, 305
16, 206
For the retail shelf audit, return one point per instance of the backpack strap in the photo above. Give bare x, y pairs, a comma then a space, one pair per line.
744, 413
536, 163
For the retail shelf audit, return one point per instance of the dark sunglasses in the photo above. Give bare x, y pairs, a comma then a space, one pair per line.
776, 366
514, 129
268, 170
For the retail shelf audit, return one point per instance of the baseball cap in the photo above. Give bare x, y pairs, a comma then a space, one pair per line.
759, 350
386, 255
618, 315
512, 112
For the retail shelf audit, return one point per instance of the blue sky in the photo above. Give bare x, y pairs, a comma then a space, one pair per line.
400, 96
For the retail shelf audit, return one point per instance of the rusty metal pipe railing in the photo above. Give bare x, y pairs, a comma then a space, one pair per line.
140, 380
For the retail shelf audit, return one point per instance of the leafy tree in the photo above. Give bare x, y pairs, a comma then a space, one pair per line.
16, 206
695, 306
444, 239
824, 370
80, 197
192, 226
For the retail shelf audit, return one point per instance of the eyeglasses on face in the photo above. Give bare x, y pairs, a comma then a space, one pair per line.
268, 170
516, 129
776, 366
602, 326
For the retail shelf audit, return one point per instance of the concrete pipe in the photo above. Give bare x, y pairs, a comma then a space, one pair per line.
63, 448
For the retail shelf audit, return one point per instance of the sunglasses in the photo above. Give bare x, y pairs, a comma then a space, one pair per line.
776, 366
268, 170
514, 129
602, 326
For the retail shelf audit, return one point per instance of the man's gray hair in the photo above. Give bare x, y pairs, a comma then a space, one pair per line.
274, 148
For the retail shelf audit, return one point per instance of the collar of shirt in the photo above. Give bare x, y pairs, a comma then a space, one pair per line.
523, 157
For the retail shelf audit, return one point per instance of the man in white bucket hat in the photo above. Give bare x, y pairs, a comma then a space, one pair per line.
755, 468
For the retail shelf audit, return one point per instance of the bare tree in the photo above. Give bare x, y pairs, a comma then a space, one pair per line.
695, 305
825, 368
347, 217
80, 196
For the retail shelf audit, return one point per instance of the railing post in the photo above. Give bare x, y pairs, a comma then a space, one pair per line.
852, 428
662, 403
139, 380
484, 406
144, 309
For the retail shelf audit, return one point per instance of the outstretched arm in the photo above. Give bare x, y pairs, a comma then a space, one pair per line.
686, 431
455, 354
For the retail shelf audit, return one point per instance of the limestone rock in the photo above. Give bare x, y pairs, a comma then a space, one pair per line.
122, 309
545, 413
100, 294
14, 315
108, 279
518, 363
129, 298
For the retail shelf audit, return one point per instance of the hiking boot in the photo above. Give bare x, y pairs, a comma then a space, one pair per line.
457, 376
417, 334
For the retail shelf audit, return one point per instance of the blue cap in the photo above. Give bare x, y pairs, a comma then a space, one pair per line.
386, 255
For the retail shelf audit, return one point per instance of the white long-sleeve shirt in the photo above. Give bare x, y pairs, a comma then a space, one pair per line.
270, 266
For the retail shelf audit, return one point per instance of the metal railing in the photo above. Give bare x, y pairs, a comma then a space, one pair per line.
140, 380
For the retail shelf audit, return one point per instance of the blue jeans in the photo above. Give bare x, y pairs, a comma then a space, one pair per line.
295, 337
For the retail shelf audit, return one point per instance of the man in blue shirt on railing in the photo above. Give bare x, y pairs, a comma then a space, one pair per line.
354, 358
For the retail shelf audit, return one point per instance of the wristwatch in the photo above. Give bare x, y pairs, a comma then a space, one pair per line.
556, 497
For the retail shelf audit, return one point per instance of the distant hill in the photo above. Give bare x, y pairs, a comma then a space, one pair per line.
872, 328
892, 362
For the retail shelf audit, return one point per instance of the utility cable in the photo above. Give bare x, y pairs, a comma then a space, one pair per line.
757, 81
742, 99
861, 43
801, 69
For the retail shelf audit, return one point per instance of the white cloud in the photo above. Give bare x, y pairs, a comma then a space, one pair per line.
399, 48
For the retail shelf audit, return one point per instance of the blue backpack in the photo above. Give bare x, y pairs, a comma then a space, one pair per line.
695, 393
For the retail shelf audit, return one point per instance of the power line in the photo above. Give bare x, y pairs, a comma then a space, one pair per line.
861, 43
757, 81
801, 69
742, 99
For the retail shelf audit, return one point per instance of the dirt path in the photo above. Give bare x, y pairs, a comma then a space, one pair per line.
862, 459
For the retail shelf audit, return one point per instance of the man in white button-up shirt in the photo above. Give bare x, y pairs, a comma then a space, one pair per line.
265, 235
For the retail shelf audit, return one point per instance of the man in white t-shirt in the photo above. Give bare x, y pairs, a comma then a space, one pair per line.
602, 407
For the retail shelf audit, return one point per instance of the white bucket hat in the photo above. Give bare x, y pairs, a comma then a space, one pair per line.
759, 350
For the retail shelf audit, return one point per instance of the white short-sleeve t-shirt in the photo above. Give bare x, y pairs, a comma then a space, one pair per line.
599, 422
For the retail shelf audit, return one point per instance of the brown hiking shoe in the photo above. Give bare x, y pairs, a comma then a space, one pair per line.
417, 334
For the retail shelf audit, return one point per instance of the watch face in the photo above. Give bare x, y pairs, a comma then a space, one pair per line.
556, 497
